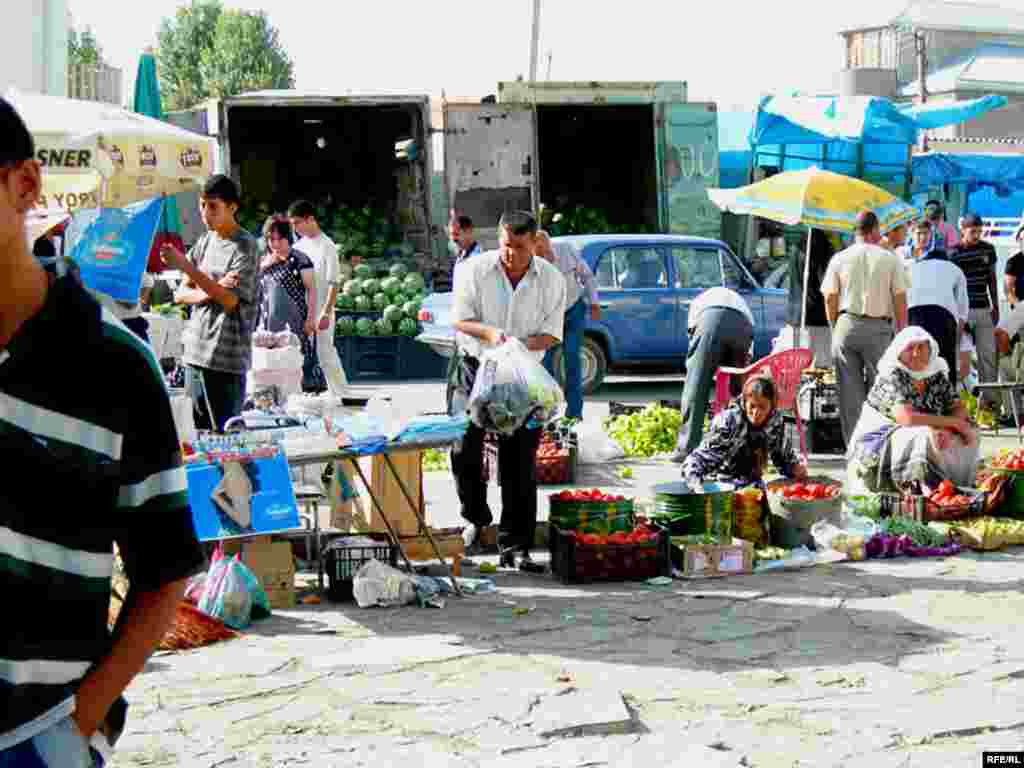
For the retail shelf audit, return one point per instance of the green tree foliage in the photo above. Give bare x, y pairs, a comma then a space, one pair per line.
83, 48
209, 51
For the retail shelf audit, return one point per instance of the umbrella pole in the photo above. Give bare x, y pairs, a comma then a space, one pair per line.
807, 280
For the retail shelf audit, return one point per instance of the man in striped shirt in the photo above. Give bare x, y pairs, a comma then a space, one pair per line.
977, 259
90, 457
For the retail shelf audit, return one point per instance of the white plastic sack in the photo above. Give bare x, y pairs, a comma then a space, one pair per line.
184, 418
595, 445
376, 583
264, 359
288, 382
511, 389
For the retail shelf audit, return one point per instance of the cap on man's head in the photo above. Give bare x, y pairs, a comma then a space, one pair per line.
865, 223
16, 144
222, 188
972, 220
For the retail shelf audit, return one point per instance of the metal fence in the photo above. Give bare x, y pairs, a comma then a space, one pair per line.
95, 83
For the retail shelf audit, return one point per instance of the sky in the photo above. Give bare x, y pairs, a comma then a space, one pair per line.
728, 52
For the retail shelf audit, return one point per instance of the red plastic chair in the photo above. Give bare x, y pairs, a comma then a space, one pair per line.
784, 368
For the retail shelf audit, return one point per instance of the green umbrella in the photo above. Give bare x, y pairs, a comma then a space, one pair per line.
147, 102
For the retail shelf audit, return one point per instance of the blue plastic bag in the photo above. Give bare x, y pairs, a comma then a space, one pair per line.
260, 601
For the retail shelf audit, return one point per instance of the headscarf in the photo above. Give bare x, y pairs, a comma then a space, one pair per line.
912, 334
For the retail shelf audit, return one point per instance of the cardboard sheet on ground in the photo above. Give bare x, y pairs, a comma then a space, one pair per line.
242, 498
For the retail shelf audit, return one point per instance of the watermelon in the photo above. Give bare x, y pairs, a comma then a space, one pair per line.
363, 304
363, 271
371, 286
393, 315
345, 302
391, 285
364, 326
353, 287
383, 328
411, 309
345, 326
380, 301
408, 327
399, 271
413, 283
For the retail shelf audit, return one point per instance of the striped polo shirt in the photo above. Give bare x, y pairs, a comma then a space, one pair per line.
91, 457
978, 262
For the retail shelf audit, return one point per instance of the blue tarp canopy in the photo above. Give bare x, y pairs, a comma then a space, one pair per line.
994, 183
860, 136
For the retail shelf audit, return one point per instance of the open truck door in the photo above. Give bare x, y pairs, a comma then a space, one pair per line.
489, 163
687, 145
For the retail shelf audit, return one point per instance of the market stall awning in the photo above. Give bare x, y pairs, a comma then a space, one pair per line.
79, 143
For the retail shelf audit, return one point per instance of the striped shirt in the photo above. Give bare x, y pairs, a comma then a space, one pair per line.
978, 263
215, 338
91, 457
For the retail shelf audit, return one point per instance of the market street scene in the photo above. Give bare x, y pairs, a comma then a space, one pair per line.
511, 403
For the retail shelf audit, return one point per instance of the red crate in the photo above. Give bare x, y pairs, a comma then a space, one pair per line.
576, 563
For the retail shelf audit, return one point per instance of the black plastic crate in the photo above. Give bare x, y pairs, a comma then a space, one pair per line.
341, 563
575, 563
419, 361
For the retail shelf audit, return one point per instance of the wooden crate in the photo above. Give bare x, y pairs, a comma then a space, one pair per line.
448, 540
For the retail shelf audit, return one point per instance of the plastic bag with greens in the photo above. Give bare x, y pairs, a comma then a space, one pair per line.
511, 389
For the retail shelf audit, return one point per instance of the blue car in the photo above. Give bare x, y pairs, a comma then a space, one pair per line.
646, 284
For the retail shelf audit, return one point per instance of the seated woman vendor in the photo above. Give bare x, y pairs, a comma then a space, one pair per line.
741, 438
913, 431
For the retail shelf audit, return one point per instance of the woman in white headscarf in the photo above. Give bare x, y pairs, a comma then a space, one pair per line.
913, 431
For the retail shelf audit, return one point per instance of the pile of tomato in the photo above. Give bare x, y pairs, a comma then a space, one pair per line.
641, 534
946, 495
549, 449
810, 491
1011, 460
592, 495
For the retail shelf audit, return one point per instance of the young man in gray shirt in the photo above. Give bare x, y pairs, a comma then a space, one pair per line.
221, 283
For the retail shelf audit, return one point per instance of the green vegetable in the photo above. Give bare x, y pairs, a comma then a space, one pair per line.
353, 287
408, 327
363, 303
398, 271
363, 271
920, 534
371, 286
413, 283
435, 460
364, 326
411, 309
391, 285
383, 328
393, 315
647, 433
380, 301
345, 302
345, 326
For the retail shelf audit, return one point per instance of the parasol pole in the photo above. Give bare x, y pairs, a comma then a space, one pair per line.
807, 280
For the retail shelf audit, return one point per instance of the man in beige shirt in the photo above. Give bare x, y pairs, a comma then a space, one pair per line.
865, 289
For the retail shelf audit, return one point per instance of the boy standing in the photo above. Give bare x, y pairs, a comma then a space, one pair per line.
220, 285
113, 473
322, 251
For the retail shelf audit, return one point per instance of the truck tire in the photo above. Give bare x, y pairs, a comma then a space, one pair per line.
594, 363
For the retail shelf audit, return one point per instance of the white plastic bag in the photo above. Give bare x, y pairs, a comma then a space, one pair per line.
511, 389
376, 583
595, 445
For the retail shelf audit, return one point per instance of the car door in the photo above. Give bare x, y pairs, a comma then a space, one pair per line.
696, 269
638, 305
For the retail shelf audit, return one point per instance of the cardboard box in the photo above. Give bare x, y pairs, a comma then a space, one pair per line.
701, 561
389, 494
272, 563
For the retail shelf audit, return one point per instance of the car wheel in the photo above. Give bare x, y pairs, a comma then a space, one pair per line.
594, 365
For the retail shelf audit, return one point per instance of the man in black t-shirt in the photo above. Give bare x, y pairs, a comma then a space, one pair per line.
85, 467
977, 259
1015, 266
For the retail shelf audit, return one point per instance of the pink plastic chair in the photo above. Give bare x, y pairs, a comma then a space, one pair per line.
784, 368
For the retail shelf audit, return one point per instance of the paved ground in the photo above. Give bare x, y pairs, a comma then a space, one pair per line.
878, 664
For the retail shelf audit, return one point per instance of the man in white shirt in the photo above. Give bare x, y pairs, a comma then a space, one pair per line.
580, 300
721, 330
865, 289
939, 303
322, 251
503, 294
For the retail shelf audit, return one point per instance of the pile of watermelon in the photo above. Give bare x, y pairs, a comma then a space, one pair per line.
393, 297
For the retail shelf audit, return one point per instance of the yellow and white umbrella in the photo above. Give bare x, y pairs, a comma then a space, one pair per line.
93, 153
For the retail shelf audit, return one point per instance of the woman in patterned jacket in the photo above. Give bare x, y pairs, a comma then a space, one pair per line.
742, 438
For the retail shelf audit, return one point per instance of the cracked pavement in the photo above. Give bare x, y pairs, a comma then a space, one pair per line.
884, 663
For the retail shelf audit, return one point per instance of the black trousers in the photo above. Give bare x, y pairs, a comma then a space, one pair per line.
224, 394
517, 466
722, 338
943, 328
